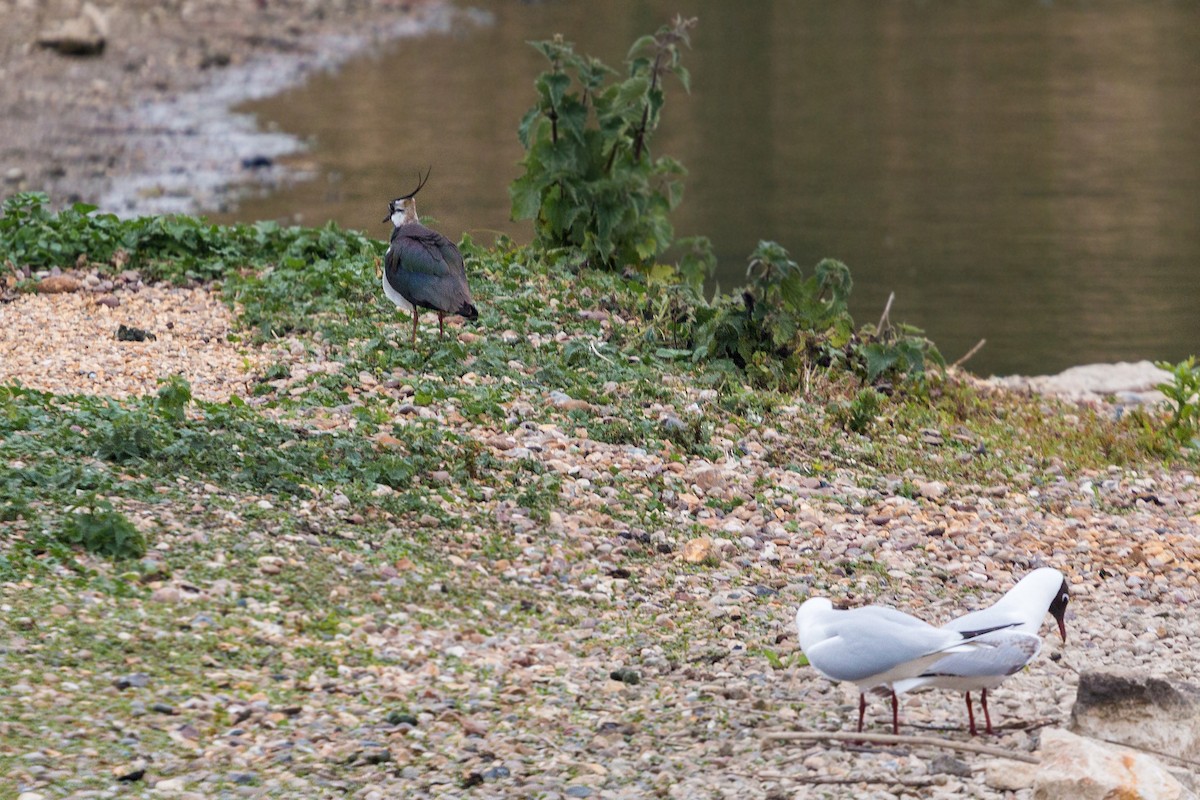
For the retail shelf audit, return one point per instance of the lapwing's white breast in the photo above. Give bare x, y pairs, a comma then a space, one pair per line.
395, 296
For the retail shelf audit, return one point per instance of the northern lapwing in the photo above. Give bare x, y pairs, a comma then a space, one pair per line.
422, 268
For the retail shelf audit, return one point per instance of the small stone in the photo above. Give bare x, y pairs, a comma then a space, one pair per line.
166, 594
136, 680
79, 36
625, 675
698, 549
14, 175
579, 791
400, 718
950, 765
59, 284
931, 490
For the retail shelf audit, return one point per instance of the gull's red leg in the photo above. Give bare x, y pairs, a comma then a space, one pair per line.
987, 717
970, 714
895, 714
862, 709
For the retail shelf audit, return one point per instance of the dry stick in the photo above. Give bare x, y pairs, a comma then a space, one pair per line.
970, 353
1153, 752
883, 317
824, 780
888, 738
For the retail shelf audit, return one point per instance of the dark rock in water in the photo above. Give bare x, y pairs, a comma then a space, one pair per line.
257, 162
128, 334
1140, 711
84, 35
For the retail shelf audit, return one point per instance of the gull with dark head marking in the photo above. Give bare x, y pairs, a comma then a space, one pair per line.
875, 646
1021, 611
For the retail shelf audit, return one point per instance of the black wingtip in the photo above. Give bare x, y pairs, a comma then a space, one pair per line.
977, 633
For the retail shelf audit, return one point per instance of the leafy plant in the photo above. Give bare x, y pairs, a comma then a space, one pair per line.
168, 247
1183, 400
858, 414
174, 395
782, 318
784, 323
99, 528
590, 182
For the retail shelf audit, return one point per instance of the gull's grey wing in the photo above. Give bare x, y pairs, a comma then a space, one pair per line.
986, 667
865, 645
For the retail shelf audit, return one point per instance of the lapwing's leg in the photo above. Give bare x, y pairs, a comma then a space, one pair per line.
414, 333
895, 714
970, 714
862, 709
441, 328
987, 717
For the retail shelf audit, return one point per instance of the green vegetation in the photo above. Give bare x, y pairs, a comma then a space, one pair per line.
592, 188
590, 182
367, 501
1183, 400
99, 528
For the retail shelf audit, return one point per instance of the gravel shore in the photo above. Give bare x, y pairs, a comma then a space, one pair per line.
634, 638
146, 125
571, 654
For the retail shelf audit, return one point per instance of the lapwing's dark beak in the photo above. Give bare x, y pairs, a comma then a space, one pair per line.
385, 219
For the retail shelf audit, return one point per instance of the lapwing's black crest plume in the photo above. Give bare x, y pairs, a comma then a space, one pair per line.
422, 268
420, 182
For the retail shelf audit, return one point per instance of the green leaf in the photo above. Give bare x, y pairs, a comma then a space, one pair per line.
526, 198
880, 359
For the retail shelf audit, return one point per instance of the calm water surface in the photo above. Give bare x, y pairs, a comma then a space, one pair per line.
1025, 172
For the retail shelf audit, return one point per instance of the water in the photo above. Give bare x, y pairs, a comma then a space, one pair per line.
1023, 172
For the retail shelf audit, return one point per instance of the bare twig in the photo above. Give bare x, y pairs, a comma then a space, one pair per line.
883, 318
827, 780
970, 353
596, 352
887, 738
1159, 753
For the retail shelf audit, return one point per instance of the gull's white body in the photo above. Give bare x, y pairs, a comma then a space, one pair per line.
871, 646
1023, 608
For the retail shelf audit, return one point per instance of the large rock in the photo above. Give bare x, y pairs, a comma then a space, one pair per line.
1077, 768
1129, 382
1140, 711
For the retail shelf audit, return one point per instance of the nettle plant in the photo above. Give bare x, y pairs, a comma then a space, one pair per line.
785, 322
590, 181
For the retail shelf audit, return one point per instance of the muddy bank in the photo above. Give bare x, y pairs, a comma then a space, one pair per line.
145, 125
